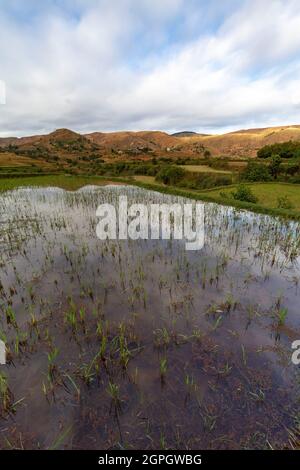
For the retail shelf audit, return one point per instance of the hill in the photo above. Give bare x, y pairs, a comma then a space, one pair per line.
64, 146
185, 134
246, 143
60, 147
134, 142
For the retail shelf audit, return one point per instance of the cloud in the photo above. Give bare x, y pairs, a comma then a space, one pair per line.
129, 64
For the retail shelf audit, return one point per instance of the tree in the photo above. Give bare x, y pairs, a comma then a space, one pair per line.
290, 149
170, 175
274, 166
255, 172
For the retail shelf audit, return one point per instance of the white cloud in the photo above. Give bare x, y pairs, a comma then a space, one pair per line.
2, 92
128, 64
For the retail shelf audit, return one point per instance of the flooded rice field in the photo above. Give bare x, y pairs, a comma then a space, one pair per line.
140, 344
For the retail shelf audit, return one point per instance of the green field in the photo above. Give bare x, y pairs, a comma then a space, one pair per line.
144, 179
267, 193
203, 169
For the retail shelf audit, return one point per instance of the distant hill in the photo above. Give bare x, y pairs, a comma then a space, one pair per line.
65, 144
188, 134
184, 134
134, 142
246, 143
62, 147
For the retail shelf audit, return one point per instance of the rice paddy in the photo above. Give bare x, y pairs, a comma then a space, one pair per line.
140, 344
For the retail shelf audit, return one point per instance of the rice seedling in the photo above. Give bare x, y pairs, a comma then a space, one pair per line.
225, 370
197, 334
71, 317
163, 367
209, 420
52, 367
75, 386
162, 441
162, 337
20, 340
230, 302
5, 393
58, 441
258, 396
113, 390
217, 323
82, 315
124, 352
281, 315
190, 383
87, 371
244, 355
11, 317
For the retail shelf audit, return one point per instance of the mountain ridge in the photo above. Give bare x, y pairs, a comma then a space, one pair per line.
241, 143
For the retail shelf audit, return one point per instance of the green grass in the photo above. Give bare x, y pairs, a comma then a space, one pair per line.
267, 193
144, 178
203, 169
213, 195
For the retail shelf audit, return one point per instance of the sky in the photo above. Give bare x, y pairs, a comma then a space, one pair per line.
107, 65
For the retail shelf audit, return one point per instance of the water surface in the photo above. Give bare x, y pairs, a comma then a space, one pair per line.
142, 344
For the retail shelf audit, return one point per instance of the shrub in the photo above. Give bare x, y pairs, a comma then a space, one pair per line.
204, 180
295, 180
219, 163
283, 202
244, 193
292, 169
170, 175
255, 172
216, 180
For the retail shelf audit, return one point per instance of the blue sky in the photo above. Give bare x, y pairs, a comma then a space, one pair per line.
149, 64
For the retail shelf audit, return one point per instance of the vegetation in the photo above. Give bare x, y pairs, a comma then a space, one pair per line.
274, 198
176, 176
171, 175
274, 166
275, 170
283, 202
255, 172
244, 193
289, 149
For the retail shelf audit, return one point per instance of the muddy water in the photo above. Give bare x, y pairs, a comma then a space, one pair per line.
142, 344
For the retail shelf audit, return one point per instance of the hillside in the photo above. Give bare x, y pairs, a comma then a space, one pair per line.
245, 143
65, 147
59, 148
134, 142
242, 143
